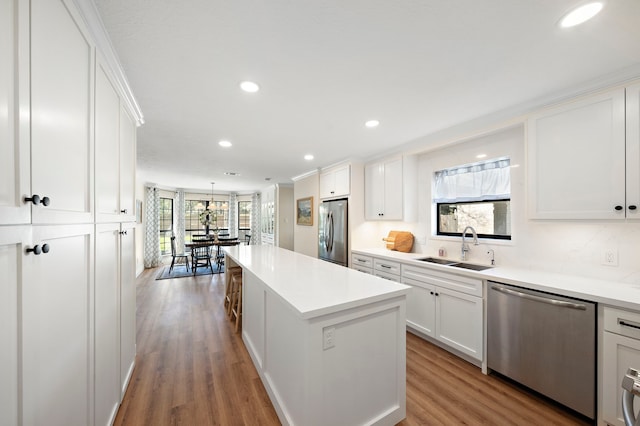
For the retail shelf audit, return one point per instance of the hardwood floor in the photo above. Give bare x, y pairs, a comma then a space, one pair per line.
193, 369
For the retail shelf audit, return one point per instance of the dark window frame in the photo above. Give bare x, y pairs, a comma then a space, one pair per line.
459, 234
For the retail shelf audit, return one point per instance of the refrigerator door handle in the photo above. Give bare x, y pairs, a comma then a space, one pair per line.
330, 228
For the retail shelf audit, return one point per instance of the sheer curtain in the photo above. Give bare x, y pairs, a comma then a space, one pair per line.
152, 257
256, 206
488, 180
233, 215
178, 226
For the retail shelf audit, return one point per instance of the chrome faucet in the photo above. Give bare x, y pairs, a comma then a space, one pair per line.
465, 247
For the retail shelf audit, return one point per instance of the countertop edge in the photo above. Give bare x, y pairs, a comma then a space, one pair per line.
610, 293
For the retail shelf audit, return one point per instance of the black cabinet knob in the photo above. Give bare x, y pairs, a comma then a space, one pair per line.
618, 208
632, 207
431, 292
124, 211
123, 232
39, 250
35, 199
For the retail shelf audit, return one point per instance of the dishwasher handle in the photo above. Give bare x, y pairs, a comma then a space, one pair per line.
541, 299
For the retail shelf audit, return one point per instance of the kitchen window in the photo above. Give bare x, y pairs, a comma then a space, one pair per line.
166, 224
244, 215
477, 195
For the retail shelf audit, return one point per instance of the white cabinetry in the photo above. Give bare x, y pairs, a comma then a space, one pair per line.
386, 269
335, 182
277, 216
115, 154
14, 120
621, 350
62, 60
383, 186
107, 330
587, 137
362, 263
446, 307
12, 247
57, 327
67, 345
127, 303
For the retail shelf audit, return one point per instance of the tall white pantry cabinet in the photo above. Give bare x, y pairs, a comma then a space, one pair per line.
67, 230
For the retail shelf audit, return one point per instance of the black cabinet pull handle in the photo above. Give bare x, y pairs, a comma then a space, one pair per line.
35, 199
632, 207
618, 208
38, 250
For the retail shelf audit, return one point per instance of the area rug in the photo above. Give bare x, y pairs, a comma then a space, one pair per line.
180, 271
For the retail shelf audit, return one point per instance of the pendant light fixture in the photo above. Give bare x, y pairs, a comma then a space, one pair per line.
211, 206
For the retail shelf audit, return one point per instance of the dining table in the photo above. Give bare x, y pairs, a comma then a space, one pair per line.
213, 242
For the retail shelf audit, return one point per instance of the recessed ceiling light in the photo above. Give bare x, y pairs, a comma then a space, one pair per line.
372, 123
308, 157
232, 173
225, 144
481, 155
249, 86
581, 14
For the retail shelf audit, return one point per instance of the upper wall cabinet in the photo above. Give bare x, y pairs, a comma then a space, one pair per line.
383, 190
577, 168
335, 182
14, 121
115, 154
61, 114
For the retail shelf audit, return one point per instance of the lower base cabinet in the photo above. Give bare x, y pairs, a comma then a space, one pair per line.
452, 317
621, 350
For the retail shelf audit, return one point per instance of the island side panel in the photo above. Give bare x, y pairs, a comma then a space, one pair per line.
253, 318
313, 381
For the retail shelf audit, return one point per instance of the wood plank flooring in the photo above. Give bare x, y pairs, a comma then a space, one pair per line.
193, 369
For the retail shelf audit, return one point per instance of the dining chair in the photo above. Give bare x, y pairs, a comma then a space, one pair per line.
175, 255
247, 239
201, 257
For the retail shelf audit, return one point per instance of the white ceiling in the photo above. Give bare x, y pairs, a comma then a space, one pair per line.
325, 67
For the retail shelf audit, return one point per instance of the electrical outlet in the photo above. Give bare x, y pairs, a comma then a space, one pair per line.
610, 257
329, 335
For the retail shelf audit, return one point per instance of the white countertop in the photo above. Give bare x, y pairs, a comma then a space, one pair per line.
312, 287
611, 293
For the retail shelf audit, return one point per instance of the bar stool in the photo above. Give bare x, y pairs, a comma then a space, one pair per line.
235, 301
230, 272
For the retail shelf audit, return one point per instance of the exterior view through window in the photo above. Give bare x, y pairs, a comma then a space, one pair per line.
477, 195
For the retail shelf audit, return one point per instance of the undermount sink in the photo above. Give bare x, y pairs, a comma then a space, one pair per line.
455, 264
437, 260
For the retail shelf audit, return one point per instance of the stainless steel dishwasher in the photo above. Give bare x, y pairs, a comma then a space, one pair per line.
544, 341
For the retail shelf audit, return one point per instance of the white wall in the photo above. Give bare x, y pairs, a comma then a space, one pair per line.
570, 246
305, 238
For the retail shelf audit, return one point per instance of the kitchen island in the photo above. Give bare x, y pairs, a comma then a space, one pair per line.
328, 342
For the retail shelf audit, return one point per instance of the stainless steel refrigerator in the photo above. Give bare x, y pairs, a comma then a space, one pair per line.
333, 232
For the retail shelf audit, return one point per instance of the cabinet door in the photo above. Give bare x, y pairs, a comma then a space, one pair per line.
61, 123
14, 119
107, 142
459, 321
576, 159
393, 190
127, 303
12, 245
619, 353
327, 184
421, 306
127, 166
107, 330
342, 185
57, 327
374, 191
633, 150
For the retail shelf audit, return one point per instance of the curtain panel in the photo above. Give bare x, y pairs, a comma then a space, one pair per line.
179, 221
152, 256
256, 206
233, 215
489, 180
